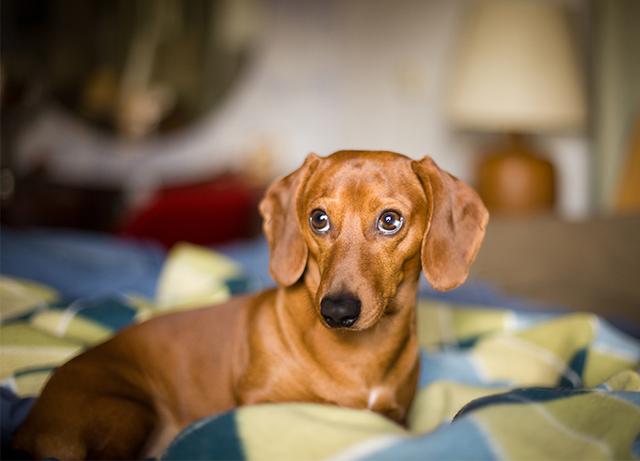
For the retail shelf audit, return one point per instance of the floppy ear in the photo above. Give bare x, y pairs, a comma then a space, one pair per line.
455, 226
281, 226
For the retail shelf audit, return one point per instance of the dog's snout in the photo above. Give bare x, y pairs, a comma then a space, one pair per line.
340, 311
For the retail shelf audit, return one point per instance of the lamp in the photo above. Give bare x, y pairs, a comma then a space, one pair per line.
516, 72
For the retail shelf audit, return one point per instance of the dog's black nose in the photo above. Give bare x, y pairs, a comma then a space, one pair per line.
340, 310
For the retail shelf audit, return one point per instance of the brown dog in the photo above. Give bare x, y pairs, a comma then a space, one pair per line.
348, 235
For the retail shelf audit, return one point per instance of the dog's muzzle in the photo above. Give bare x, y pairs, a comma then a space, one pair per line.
340, 311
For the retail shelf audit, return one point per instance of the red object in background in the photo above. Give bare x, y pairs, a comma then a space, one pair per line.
205, 213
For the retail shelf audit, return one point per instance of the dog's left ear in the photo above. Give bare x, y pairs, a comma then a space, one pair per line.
455, 227
280, 224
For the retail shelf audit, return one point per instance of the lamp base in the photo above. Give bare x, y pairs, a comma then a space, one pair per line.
514, 179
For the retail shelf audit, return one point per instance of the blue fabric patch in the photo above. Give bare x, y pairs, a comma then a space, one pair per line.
238, 285
468, 343
576, 364
111, 312
628, 396
455, 365
610, 338
13, 411
214, 438
635, 448
459, 440
253, 257
81, 264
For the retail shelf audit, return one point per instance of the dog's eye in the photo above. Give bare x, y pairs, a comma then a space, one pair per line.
319, 221
390, 222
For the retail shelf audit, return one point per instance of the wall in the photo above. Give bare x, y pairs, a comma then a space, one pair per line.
366, 74
372, 74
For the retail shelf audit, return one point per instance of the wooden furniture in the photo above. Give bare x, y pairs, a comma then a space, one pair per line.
590, 265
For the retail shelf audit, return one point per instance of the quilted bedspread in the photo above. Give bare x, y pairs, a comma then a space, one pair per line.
494, 384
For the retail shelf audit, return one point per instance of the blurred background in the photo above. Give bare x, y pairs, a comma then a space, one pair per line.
164, 120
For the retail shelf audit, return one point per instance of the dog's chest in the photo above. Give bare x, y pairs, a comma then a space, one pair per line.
294, 383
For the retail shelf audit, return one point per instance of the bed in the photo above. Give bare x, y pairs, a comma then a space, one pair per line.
501, 378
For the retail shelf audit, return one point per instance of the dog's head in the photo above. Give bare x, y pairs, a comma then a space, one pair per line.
360, 225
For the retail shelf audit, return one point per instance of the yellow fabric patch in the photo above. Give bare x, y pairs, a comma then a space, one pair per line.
294, 425
31, 384
23, 334
194, 276
536, 356
602, 365
74, 327
435, 325
18, 297
509, 358
553, 335
470, 323
439, 402
439, 325
23, 347
627, 380
574, 413
17, 358
564, 427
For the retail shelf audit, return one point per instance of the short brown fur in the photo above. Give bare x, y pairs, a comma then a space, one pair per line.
129, 396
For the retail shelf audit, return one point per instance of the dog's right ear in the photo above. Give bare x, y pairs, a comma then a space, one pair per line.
281, 226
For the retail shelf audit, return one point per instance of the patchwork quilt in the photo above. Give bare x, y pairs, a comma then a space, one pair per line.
494, 384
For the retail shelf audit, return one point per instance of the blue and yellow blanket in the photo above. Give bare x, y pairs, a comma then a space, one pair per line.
494, 384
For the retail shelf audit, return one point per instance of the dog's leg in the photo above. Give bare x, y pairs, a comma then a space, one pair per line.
106, 428
166, 429
85, 412
120, 429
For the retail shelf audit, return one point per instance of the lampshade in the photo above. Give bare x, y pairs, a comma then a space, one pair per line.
516, 69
